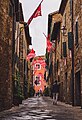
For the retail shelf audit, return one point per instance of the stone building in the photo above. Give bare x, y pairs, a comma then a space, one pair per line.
54, 55
14, 43
77, 31
66, 61
71, 41
26, 74
77, 28
6, 44
69, 65
22, 42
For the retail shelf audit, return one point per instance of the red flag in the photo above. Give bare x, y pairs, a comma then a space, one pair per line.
31, 54
36, 13
49, 43
34, 62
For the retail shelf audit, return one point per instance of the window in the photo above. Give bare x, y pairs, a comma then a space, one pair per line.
70, 7
38, 66
57, 64
65, 20
70, 40
37, 80
64, 49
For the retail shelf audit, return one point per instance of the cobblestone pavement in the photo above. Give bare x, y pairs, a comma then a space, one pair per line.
42, 109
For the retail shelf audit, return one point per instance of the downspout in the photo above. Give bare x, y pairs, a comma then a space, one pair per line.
72, 20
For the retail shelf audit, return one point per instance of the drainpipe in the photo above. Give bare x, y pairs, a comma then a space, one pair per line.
72, 20
81, 37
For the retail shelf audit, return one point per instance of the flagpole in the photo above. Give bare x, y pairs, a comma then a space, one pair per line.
41, 1
45, 35
33, 15
38, 6
52, 42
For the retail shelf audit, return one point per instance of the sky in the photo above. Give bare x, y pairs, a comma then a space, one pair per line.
39, 25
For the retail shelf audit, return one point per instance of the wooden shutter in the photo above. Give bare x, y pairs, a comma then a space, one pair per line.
76, 33
70, 7
70, 40
64, 49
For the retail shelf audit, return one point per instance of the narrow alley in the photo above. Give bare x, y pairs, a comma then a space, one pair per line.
41, 109
40, 59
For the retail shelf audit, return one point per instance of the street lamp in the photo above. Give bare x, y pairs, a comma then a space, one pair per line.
64, 30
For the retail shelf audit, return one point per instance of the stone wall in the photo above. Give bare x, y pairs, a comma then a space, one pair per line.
6, 23
78, 51
66, 69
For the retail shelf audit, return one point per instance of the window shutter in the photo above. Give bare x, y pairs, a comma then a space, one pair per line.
10, 10
50, 69
76, 33
70, 40
64, 49
70, 7
57, 64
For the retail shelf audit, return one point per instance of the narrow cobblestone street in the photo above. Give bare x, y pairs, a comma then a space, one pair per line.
42, 109
40, 54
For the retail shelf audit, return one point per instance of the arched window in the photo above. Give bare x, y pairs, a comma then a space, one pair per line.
37, 66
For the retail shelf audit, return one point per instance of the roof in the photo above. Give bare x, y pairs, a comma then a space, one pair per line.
55, 12
21, 13
62, 6
50, 20
18, 11
27, 34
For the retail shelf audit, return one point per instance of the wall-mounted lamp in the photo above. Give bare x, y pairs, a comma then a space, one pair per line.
64, 30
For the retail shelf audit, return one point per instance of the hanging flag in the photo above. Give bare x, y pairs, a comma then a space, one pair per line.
34, 62
36, 13
49, 43
31, 55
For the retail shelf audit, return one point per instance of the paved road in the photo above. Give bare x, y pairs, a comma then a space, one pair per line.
42, 109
